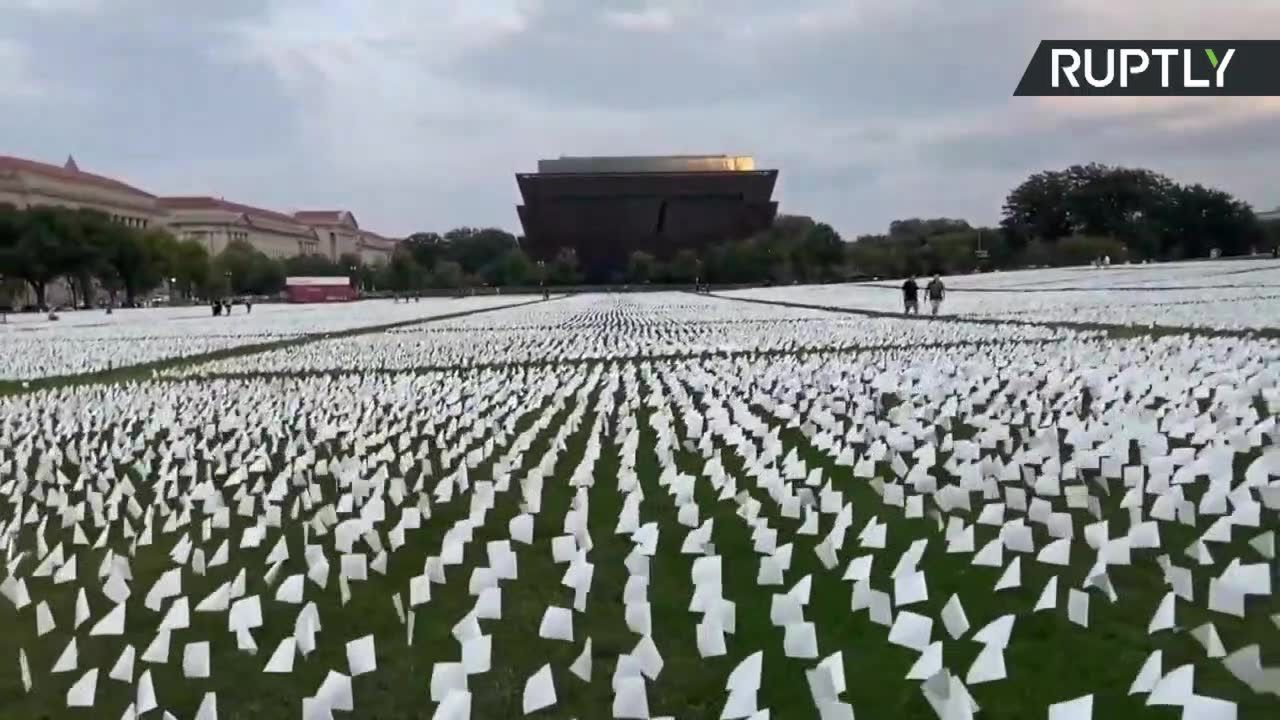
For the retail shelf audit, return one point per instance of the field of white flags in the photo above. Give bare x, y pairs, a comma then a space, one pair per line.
88, 341
603, 327
654, 505
1218, 295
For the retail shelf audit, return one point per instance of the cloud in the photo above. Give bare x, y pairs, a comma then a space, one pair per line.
1170, 19
52, 6
16, 75
651, 19
1215, 141
416, 114
1170, 115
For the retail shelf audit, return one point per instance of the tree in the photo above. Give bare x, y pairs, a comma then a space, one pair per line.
120, 258
781, 270
190, 267
313, 265
641, 267
138, 260
789, 229
991, 246
367, 275
1152, 216
403, 273
351, 264
941, 245
918, 229
821, 253
684, 267
750, 260
11, 230
1270, 235
480, 252
10, 290
448, 274
477, 249
100, 236
1036, 253
1196, 219
871, 256
1105, 201
1037, 209
564, 268
514, 268
715, 260
1084, 249
953, 252
159, 249
426, 248
247, 270
39, 245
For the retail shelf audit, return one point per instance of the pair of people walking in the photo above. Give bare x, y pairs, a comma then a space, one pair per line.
935, 291
223, 307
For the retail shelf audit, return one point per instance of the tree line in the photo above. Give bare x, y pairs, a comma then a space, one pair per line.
88, 250
795, 246
470, 257
1072, 217
91, 253
241, 269
41, 245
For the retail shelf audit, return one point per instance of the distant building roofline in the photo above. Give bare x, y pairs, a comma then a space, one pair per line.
68, 172
648, 157
606, 164
207, 202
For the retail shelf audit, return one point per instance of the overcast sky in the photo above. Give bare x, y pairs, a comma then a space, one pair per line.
414, 114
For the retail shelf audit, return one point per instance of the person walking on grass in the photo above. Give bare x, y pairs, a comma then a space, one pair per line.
910, 296
936, 291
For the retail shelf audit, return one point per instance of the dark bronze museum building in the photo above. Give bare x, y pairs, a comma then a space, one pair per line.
605, 208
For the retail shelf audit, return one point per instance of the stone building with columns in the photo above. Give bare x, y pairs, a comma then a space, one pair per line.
28, 183
214, 222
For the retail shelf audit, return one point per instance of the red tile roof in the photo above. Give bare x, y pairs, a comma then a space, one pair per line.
376, 238
202, 202
374, 246
13, 164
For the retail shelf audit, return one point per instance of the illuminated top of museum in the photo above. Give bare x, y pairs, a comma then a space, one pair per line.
647, 164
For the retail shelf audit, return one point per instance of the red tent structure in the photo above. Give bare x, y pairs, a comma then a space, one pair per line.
318, 289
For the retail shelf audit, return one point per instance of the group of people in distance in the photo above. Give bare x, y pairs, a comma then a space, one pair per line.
935, 290
223, 307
